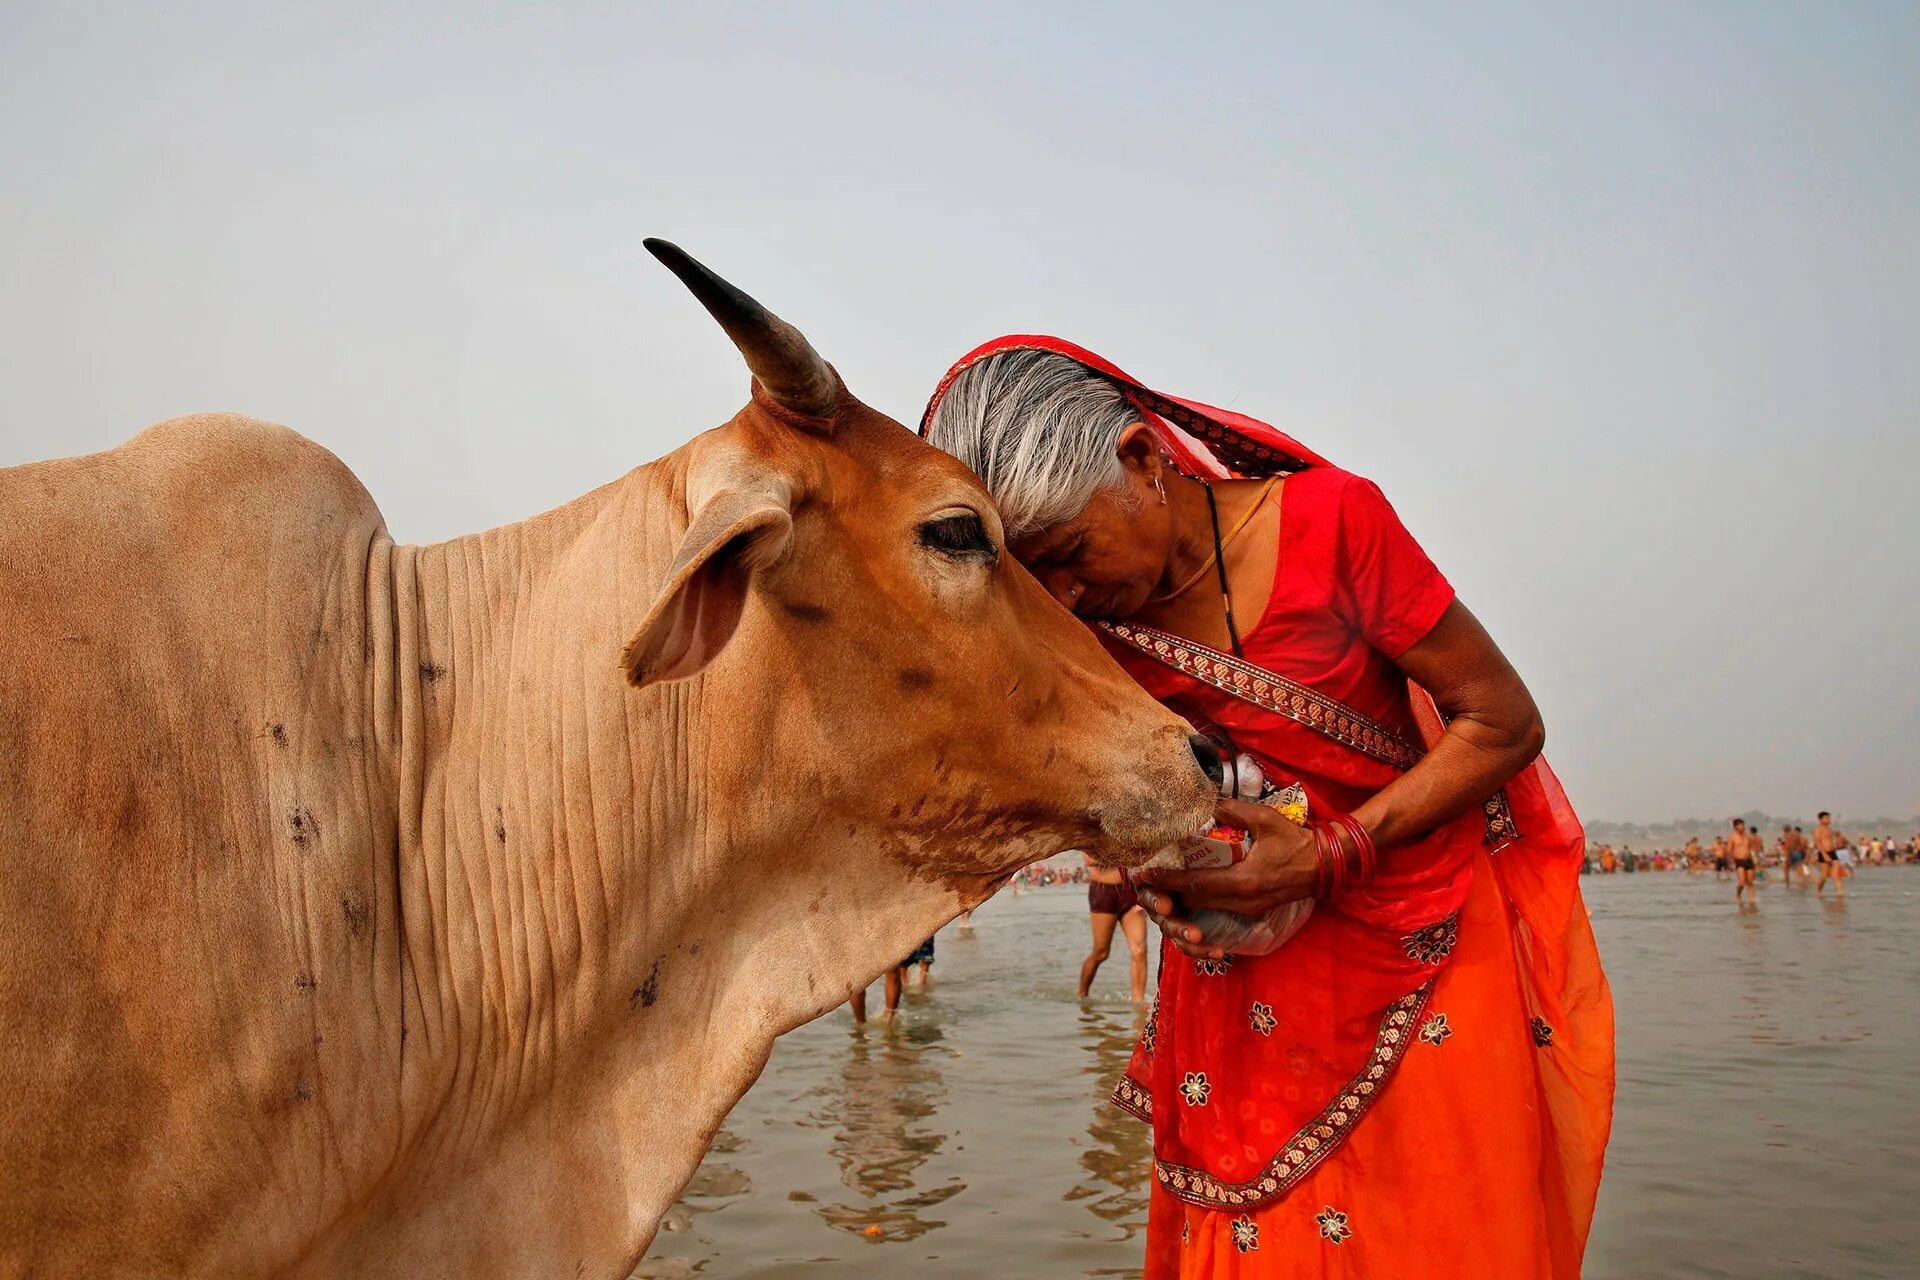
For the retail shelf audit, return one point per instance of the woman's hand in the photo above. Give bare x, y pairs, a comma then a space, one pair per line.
1165, 911
1280, 867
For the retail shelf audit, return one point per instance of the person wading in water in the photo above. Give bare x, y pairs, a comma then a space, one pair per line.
1111, 902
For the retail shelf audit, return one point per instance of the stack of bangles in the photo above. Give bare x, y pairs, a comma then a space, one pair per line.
1336, 867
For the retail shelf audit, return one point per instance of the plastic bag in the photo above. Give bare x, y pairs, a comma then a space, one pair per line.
1222, 847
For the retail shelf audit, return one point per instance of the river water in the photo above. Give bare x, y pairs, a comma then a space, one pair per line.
1768, 1115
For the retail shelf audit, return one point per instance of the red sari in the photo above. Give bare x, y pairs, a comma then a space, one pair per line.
1420, 1083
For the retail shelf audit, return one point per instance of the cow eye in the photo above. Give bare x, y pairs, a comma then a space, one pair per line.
958, 535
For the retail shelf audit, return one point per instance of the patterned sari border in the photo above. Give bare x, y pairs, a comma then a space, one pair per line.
1304, 706
1132, 1097
1319, 1137
1276, 693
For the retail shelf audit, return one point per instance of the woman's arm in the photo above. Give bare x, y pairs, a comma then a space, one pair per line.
1493, 732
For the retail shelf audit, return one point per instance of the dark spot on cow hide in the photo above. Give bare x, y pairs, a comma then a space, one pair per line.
301, 827
431, 671
647, 992
809, 613
499, 824
127, 818
302, 1090
305, 981
1039, 709
279, 732
915, 679
354, 909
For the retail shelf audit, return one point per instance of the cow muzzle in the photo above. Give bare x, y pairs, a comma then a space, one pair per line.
1165, 800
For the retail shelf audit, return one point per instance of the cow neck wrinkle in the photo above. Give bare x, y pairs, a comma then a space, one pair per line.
507, 867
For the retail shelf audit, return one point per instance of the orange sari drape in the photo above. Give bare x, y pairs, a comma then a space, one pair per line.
1419, 1084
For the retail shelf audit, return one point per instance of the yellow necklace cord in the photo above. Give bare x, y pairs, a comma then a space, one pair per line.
1245, 519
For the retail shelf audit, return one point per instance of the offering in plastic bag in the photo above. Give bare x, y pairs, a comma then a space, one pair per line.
1222, 846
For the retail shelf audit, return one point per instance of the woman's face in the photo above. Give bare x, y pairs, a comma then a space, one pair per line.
1111, 558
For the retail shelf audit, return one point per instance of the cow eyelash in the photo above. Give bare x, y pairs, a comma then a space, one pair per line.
958, 535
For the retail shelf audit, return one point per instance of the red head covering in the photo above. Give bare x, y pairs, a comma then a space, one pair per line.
1202, 441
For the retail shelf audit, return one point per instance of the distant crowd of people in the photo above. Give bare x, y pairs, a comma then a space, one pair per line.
1743, 855
1041, 874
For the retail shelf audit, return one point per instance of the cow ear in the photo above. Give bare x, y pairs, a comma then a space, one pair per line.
736, 531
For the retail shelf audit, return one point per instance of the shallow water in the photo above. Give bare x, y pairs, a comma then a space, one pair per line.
1768, 1109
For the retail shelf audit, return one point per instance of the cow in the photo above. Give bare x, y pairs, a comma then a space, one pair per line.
381, 910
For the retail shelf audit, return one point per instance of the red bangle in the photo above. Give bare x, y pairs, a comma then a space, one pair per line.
1322, 870
1334, 867
1365, 852
1330, 861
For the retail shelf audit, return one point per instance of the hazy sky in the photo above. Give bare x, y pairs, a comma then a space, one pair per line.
1622, 308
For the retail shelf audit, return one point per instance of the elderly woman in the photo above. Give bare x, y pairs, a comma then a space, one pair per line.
1420, 1081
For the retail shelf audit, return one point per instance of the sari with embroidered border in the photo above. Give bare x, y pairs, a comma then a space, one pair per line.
1286, 1141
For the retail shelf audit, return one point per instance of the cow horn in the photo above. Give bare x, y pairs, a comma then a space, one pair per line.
782, 360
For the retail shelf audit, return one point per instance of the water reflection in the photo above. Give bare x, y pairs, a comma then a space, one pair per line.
1116, 1160
889, 1085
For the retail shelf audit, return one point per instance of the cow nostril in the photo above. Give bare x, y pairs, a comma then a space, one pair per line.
1208, 757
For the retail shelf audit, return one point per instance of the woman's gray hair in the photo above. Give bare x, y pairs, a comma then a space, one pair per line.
1041, 430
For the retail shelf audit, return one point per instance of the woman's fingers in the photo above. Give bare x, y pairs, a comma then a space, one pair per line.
1244, 813
1237, 889
1162, 908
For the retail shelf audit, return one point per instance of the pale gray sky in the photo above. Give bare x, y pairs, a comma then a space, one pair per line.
1622, 308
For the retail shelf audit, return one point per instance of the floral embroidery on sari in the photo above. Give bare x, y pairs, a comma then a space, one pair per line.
1194, 1088
1542, 1031
1246, 1234
1315, 1140
1435, 942
1333, 1225
1261, 1016
1435, 1029
1207, 967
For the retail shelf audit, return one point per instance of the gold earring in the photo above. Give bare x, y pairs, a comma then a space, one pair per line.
1157, 489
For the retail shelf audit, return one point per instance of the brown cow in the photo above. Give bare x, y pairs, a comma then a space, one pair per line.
420, 911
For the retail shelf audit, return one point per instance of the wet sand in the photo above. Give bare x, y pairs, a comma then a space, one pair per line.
1768, 1109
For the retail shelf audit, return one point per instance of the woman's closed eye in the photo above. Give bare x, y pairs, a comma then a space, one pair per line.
1065, 556
962, 534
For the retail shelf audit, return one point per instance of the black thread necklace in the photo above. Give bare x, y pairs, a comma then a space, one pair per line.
1220, 563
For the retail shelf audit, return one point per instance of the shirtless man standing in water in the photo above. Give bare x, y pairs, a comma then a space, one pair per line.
1795, 864
1110, 901
1827, 842
1743, 852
